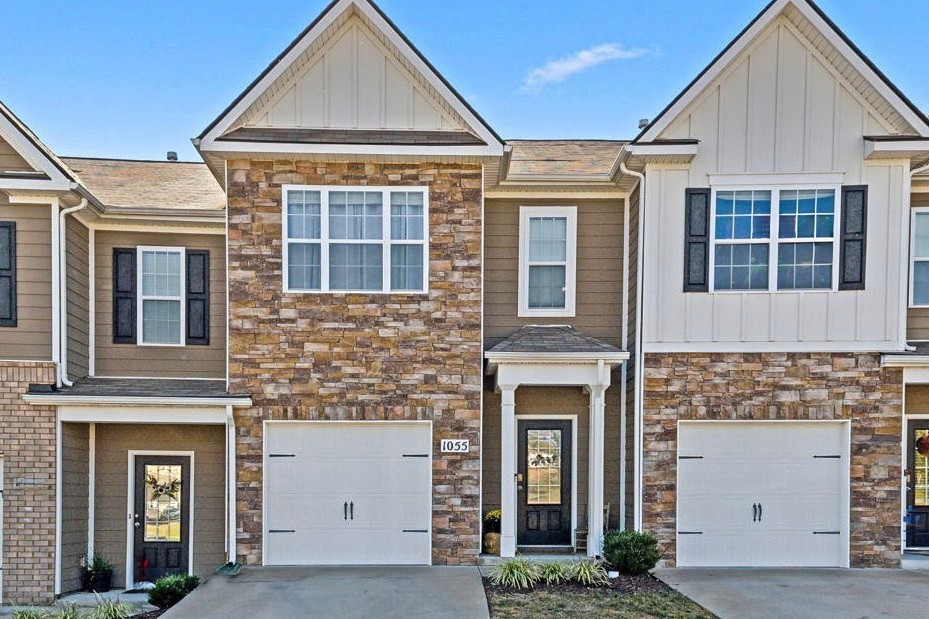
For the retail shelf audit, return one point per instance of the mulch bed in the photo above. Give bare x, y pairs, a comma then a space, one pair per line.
154, 614
628, 585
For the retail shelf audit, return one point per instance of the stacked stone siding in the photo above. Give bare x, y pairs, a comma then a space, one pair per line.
781, 386
360, 356
27, 442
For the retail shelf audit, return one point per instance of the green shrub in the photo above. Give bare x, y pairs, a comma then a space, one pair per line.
69, 611
30, 613
553, 573
515, 574
589, 573
170, 590
110, 609
631, 552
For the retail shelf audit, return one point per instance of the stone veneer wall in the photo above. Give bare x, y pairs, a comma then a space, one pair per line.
772, 386
356, 356
27, 442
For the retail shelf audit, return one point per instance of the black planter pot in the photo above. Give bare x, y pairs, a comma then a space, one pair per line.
100, 581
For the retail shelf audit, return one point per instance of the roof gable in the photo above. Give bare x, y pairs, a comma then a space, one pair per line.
858, 73
25, 162
350, 71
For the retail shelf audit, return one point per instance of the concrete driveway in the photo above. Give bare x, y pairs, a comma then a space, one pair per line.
803, 593
343, 592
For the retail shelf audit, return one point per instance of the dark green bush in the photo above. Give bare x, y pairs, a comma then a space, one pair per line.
631, 552
170, 590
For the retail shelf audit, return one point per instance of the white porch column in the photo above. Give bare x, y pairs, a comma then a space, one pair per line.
508, 470
595, 472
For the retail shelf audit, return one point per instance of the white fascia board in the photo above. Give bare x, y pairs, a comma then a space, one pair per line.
762, 347
56, 399
35, 184
904, 361
554, 358
902, 149
663, 150
215, 415
291, 149
32, 154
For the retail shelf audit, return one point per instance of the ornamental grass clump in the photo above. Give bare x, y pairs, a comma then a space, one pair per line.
589, 573
110, 609
553, 573
515, 574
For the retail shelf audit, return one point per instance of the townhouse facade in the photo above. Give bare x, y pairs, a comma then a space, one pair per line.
366, 320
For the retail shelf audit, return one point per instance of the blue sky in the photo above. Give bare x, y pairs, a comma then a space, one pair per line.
135, 79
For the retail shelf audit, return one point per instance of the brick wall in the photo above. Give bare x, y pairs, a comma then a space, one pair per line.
27, 441
773, 386
356, 356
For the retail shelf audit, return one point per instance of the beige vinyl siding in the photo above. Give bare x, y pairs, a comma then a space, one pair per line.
917, 318
75, 484
31, 338
159, 361
12, 160
778, 108
917, 399
599, 302
557, 401
114, 442
78, 298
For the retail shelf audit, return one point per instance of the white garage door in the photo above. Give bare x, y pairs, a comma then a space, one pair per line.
347, 493
762, 494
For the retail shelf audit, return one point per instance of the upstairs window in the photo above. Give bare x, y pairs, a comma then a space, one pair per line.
792, 247
548, 247
365, 239
161, 295
919, 259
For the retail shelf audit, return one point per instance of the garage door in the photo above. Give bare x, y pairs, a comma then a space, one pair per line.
347, 493
762, 494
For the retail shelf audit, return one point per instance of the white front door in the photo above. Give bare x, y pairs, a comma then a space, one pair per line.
348, 493
762, 494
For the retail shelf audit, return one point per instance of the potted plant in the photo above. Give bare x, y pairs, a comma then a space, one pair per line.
492, 532
96, 573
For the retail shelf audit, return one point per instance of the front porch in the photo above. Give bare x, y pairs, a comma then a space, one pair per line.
545, 424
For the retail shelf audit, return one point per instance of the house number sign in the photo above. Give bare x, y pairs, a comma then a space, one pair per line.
454, 445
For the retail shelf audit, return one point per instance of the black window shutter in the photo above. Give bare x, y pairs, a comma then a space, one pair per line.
7, 274
198, 297
696, 240
853, 237
124, 296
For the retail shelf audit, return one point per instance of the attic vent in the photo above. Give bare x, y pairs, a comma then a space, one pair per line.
643, 123
172, 156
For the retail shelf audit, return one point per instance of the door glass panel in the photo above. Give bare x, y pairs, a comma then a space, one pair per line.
544, 467
921, 466
162, 503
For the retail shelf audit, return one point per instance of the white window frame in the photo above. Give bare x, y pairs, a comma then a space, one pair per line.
773, 241
913, 259
324, 241
141, 297
525, 214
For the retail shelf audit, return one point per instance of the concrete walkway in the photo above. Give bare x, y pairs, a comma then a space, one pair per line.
343, 592
758, 593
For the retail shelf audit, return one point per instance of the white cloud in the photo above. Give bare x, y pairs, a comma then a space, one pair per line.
562, 68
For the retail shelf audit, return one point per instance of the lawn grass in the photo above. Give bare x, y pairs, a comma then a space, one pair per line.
600, 603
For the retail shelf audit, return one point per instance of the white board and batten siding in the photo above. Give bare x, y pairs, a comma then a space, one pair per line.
780, 112
348, 493
763, 494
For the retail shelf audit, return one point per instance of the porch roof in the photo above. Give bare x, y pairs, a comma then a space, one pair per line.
139, 391
551, 339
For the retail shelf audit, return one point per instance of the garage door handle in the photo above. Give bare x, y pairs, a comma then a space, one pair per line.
827, 533
759, 512
345, 510
754, 512
351, 509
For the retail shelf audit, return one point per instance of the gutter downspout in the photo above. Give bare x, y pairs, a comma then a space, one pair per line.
63, 289
639, 357
913, 173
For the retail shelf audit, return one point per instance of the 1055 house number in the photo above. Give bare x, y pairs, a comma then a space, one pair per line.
454, 445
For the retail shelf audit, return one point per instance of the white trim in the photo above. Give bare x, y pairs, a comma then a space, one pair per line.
788, 180
664, 150
770, 346
130, 504
59, 491
208, 143
574, 424
904, 361
91, 486
215, 415
215, 228
543, 358
896, 149
92, 400
264, 457
56, 288
231, 488
385, 242
569, 213
916, 375
35, 157
748, 37
226, 308
92, 301
141, 297
914, 211
276, 148
773, 242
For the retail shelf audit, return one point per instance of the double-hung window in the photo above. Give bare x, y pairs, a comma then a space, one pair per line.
547, 252
774, 239
357, 239
919, 259
161, 295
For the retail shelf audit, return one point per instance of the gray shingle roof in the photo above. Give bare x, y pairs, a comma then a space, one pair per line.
352, 136
145, 388
555, 338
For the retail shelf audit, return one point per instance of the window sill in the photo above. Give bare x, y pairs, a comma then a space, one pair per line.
389, 293
524, 313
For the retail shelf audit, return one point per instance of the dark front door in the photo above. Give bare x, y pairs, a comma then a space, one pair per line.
917, 484
544, 489
162, 516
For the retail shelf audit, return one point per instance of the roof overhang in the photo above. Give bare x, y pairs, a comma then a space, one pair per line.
233, 148
496, 359
58, 399
896, 147
50, 173
904, 361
